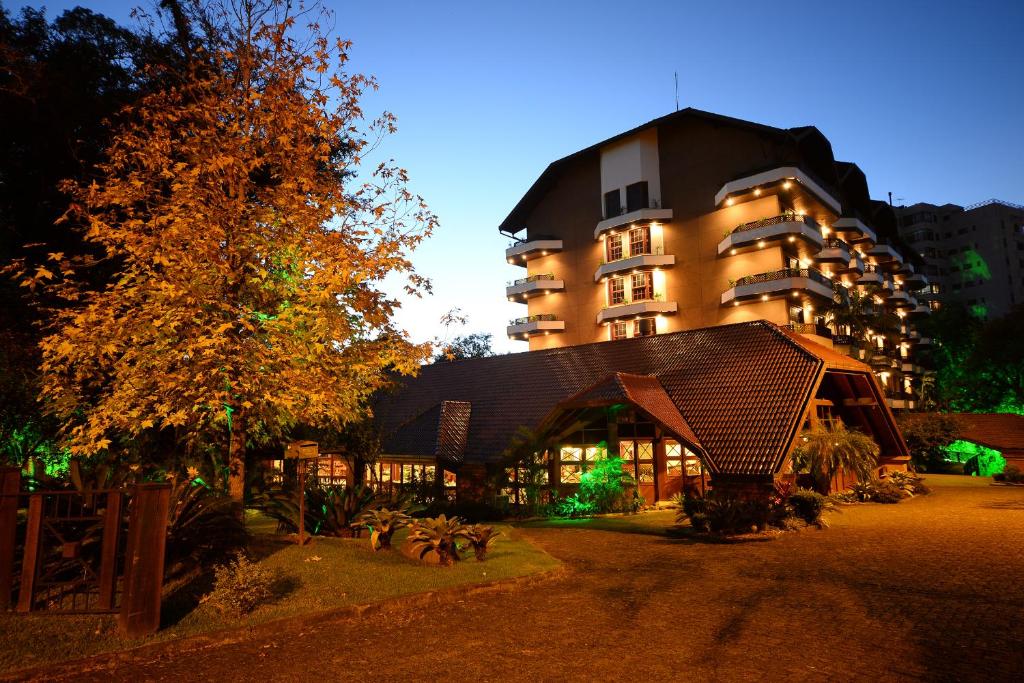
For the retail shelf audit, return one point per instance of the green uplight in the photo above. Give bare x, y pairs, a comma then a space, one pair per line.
978, 460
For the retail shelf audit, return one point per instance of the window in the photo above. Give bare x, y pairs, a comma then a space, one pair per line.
449, 482
640, 241
645, 462
643, 287
673, 459
618, 330
612, 204
613, 244
616, 291
636, 196
644, 327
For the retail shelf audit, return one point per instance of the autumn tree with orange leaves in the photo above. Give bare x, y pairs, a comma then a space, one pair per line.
251, 245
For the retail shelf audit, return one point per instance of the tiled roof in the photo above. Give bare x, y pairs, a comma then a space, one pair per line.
831, 357
1000, 431
452, 430
643, 391
740, 388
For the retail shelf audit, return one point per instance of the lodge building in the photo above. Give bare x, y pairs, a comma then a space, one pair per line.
679, 281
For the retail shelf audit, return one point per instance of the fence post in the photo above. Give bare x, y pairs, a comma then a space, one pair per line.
108, 555
144, 561
30, 558
10, 486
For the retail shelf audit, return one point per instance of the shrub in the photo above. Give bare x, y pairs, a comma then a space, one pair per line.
808, 505
330, 510
726, 514
606, 487
1011, 475
382, 524
240, 586
438, 535
481, 538
202, 526
826, 449
909, 484
887, 492
927, 436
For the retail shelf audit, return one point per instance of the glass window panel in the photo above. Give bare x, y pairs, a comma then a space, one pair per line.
570, 474
646, 474
592, 453
673, 449
449, 478
626, 450
692, 467
645, 450
430, 472
673, 467
572, 453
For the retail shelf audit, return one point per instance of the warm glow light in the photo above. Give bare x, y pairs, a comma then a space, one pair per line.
804, 263
735, 303
786, 185
732, 252
825, 231
764, 297
760, 244
792, 238
729, 201
757, 192
544, 252
796, 293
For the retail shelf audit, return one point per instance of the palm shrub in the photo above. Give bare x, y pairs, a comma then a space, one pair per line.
202, 525
830, 447
909, 484
481, 538
726, 514
382, 523
330, 510
438, 535
606, 485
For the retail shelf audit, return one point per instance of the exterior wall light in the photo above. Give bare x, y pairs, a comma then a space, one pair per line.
729, 201
786, 185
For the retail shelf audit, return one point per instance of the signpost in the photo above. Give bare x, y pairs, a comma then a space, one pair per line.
301, 451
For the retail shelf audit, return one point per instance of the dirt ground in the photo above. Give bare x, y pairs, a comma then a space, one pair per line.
930, 589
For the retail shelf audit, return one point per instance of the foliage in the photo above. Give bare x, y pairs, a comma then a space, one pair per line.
476, 345
571, 506
382, 523
201, 524
855, 311
909, 484
1011, 475
927, 437
250, 247
526, 452
240, 586
481, 538
808, 505
830, 447
330, 510
978, 460
727, 514
438, 535
606, 487
877, 491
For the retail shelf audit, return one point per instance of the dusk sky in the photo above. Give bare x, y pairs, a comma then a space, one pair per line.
926, 97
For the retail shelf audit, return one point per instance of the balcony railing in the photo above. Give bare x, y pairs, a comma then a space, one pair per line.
533, 319
775, 220
783, 274
532, 278
835, 243
845, 340
656, 251
810, 328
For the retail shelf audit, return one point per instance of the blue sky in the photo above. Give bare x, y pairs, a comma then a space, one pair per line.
926, 97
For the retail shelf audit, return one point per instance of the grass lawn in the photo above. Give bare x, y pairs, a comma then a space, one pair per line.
652, 522
330, 573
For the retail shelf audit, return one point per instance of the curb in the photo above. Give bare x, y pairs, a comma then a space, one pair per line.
182, 646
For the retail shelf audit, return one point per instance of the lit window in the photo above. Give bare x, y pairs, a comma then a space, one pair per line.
571, 453
626, 450
646, 474
673, 459
616, 291
614, 246
643, 287
645, 450
570, 474
640, 241
644, 327
618, 330
592, 453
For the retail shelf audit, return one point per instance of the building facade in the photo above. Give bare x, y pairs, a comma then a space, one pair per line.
695, 220
973, 255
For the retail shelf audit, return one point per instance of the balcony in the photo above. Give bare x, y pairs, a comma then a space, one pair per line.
631, 263
648, 215
900, 299
811, 328
906, 268
782, 175
854, 231
632, 309
790, 227
885, 255
835, 250
916, 281
521, 252
845, 340
527, 287
922, 308
855, 266
872, 277
544, 323
779, 283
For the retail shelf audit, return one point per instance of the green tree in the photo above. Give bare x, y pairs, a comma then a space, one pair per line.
927, 435
476, 345
829, 447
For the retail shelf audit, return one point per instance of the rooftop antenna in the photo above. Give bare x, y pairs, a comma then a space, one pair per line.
676, 75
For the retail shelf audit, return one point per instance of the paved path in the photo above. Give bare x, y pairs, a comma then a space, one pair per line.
931, 589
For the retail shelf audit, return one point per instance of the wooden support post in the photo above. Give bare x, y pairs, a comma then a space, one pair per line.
10, 485
144, 563
30, 558
108, 555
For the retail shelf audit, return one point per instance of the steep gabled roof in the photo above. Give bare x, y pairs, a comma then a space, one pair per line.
741, 389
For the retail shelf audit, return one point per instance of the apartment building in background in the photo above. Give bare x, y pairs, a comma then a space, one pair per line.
695, 220
973, 255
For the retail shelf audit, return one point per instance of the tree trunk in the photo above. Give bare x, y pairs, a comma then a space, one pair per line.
236, 461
